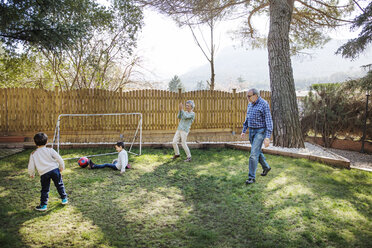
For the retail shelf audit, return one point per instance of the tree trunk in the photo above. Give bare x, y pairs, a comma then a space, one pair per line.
211, 87
287, 129
212, 56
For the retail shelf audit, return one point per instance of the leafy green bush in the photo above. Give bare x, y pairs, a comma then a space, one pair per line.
333, 110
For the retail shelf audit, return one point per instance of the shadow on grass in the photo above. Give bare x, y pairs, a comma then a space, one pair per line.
169, 206
325, 200
17, 190
164, 203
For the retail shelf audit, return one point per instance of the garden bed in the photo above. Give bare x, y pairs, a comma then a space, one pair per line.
344, 144
12, 139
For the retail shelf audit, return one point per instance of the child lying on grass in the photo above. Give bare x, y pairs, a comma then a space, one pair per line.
118, 164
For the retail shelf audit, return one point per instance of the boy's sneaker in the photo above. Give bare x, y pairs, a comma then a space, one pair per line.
64, 201
41, 208
91, 164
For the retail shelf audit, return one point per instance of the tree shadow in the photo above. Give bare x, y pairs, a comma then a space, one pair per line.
205, 203
324, 203
19, 195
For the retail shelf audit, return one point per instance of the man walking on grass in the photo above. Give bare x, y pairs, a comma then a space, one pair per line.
260, 126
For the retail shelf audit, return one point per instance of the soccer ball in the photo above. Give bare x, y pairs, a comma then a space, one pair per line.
83, 162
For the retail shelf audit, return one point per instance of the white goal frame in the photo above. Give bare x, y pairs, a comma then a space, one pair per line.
56, 138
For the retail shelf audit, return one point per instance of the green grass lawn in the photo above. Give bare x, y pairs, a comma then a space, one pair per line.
165, 203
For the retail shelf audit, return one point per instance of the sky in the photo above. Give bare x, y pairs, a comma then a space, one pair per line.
167, 50
164, 48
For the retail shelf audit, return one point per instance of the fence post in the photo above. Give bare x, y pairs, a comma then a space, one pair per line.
121, 110
234, 112
57, 103
6, 104
204, 119
180, 95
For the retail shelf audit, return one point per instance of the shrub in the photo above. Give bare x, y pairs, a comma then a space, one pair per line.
333, 110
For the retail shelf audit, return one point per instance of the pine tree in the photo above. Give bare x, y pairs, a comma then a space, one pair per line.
354, 47
175, 84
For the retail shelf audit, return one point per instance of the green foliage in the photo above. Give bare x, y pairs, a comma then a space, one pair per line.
175, 84
354, 47
15, 71
310, 23
332, 110
49, 24
103, 61
363, 84
166, 203
100, 56
22, 70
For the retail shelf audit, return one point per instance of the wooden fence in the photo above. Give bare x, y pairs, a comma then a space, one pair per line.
24, 111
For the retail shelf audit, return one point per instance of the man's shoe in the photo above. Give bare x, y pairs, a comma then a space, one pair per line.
175, 156
64, 201
187, 160
265, 171
250, 181
41, 208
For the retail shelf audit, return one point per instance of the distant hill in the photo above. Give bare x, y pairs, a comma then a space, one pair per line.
240, 68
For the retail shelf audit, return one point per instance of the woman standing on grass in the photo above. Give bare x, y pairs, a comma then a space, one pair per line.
187, 117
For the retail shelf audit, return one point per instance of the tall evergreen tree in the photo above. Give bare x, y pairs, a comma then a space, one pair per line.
286, 122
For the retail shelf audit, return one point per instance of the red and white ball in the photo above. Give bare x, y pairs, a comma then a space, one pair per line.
83, 162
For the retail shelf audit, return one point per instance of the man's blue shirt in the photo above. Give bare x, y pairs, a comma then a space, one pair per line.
259, 116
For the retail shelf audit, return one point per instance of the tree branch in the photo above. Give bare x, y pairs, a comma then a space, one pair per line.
357, 4
322, 12
197, 42
255, 10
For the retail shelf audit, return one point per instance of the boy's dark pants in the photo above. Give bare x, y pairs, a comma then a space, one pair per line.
56, 176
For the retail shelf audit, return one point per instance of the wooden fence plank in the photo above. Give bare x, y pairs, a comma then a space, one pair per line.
3, 114
32, 110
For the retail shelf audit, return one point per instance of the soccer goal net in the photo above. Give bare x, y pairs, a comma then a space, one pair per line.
99, 130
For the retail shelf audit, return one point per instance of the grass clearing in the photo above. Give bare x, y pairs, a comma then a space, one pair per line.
165, 203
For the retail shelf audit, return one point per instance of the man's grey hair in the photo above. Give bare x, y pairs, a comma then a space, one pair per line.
254, 91
191, 102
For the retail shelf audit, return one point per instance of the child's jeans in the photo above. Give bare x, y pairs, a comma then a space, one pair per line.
56, 176
112, 166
